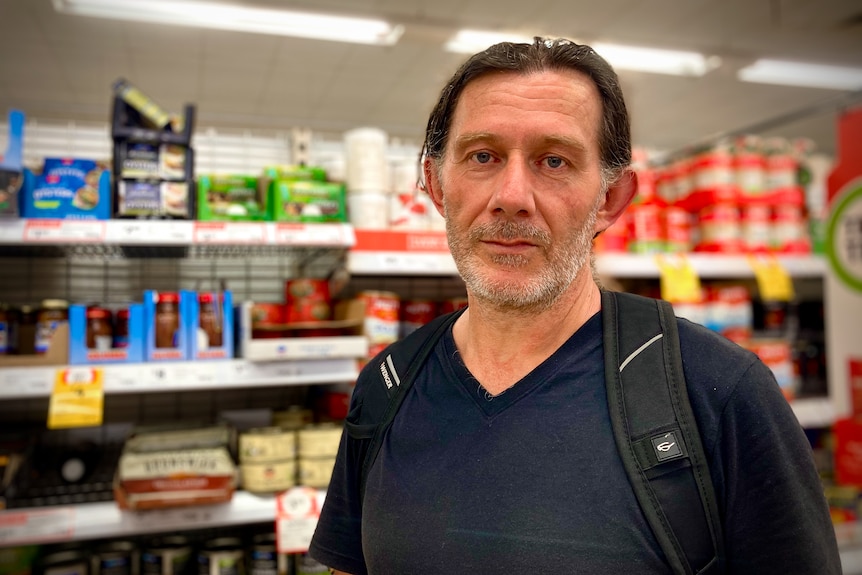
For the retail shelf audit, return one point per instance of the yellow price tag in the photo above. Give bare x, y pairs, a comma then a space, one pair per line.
77, 399
773, 281
679, 280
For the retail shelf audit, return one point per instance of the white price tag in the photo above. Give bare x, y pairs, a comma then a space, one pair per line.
311, 235
35, 526
64, 231
179, 517
26, 382
229, 233
296, 518
11, 231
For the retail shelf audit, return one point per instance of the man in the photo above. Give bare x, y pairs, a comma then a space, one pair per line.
501, 458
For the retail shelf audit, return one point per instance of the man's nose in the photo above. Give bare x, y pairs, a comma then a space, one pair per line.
514, 192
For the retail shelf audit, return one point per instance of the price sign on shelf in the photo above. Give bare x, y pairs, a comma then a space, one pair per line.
679, 280
297, 513
64, 231
310, 234
773, 281
225, 233
77, 399
35, 526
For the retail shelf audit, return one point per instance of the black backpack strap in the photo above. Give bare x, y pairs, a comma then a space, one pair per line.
656, 432
397, 367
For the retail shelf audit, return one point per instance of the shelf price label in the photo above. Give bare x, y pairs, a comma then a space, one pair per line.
297, 514
64, 231
77, 399
286, 234
36, 526
679, 280
773, 281
226, 233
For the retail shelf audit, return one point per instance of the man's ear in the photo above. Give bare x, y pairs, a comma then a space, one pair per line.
432, 183
618, 197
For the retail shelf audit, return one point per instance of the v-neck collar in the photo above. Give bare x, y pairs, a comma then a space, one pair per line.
573, 349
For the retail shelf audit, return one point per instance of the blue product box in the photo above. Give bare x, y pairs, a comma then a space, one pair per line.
80, 354
12, 158
168, 322
64, 195
220, 304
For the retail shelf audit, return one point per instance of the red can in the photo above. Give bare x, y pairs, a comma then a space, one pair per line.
380, 322
756, 227
720, 229
416, 313
453, 304
677, 229
307, 300
647, 233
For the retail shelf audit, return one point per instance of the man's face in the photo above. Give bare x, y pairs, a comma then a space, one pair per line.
520, 184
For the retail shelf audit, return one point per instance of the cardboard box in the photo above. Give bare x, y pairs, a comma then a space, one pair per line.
306, 201
80, 354
199, 346
180, 349
57, 354
232, 198
53, 196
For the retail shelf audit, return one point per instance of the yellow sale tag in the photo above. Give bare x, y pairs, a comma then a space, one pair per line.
773, 281
77, 399
679, 280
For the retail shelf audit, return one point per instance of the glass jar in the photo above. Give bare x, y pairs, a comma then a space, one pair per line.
167, 319
210, 320
121, 329
51, 314
100, 332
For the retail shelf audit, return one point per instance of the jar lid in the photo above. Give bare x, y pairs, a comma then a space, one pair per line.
168, 297
123, 313
206, 297
55, 304
96, 312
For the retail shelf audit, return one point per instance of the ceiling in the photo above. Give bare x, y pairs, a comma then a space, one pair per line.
56, 66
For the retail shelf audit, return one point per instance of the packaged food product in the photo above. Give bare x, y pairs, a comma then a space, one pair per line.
380, 324
211, 321
415, 313
307, 299
170, 555
148, 109
231, 197
100, 331
116, 558
222, 556
51, 313
4, 329
167, 319
121, 328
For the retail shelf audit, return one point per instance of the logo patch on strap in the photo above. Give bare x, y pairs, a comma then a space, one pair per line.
666, 446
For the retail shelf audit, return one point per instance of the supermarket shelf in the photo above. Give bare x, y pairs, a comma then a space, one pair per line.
30, 382
34, 232
106, 520
715, 266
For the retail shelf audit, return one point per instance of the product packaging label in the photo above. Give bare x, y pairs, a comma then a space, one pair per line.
140, 160
139, 198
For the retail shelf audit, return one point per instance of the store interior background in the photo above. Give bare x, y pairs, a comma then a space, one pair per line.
59, 69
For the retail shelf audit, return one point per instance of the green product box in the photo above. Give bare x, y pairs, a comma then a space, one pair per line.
235, 198
306, 201
295, 173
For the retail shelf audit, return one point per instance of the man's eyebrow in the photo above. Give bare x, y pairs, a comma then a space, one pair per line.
565, 142
466, 140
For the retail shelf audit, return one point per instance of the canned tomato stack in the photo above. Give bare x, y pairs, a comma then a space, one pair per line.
380, 322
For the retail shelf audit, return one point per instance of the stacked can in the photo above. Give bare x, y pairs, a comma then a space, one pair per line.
267, 459
380, 322
367, 179
317, 446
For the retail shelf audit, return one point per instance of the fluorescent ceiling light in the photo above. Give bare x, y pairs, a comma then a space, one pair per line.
653, 60
656, 60
238, 18
472, 41
802, 74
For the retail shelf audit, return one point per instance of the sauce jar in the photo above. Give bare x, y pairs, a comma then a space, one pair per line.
22, 330
121, 329
100, 332
167, 319
210, 319
51, 314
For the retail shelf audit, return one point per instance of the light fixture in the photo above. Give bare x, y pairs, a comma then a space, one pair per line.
786, 73
655, 60
239, 18
472, 41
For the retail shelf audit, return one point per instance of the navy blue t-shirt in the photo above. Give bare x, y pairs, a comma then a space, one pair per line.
530, 481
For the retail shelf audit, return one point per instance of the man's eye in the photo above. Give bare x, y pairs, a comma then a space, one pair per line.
482, 157
554, 162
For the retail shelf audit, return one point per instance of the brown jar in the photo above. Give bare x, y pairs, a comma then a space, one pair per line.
52, 313
100, 332
22, 330
167, 319
121, 329
210, 319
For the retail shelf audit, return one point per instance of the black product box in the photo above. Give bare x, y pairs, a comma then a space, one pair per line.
150, 160
10, 187
128, 124
154, 199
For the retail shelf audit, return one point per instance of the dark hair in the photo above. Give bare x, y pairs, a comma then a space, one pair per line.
542, 54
